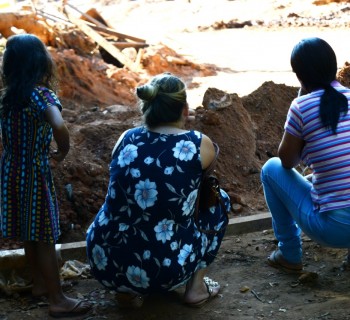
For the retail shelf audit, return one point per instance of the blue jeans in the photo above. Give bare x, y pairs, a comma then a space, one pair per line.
288, 197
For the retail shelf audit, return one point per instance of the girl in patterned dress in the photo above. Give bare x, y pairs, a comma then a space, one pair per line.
30, 116
144, 239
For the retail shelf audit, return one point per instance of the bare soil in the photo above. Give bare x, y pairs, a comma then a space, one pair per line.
99, 104
250, 289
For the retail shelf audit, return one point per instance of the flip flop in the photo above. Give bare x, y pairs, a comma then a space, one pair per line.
79, 309
276, 260
210, 285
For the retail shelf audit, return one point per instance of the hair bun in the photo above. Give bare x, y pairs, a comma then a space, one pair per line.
147, 92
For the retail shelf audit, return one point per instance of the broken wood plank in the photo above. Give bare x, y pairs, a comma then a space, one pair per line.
136, 45
88, 17
112, 32
109, 47
97, 25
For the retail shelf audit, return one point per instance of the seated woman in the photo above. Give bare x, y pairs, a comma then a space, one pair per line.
145, 239
317, 133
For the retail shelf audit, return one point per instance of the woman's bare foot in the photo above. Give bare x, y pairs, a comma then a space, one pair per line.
197, 294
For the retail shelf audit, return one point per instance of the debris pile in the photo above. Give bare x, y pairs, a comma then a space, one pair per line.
94, 61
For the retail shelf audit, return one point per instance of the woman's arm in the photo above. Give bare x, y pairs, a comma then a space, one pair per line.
60, 132
290, 150
207, 151
118, 142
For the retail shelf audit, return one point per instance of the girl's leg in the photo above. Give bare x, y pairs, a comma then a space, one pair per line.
287, 195
48, 266
39, 286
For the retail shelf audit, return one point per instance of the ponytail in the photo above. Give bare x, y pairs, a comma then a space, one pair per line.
332, 105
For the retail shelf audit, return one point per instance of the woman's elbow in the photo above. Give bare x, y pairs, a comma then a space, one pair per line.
287, 162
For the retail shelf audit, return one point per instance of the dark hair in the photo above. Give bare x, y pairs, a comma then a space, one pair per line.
26, 63
162, 99
315, 64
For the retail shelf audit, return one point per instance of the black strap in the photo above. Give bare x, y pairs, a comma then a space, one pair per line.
207, 172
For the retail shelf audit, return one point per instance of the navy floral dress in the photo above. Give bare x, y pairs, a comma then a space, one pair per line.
144, 238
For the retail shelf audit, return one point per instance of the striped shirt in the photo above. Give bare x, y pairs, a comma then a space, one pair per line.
327, 154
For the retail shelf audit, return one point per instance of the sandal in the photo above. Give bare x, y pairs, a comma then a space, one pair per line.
276, 260
213, 288
128, 300
80, 308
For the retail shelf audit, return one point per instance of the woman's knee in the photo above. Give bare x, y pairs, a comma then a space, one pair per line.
271, 165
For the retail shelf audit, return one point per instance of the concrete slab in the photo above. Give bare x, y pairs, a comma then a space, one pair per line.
254, 223
15, 259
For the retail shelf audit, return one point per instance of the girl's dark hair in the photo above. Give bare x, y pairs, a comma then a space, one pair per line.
162, 99
315, 64
26, 63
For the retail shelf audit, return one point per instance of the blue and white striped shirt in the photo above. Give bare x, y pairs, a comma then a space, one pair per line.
328, 155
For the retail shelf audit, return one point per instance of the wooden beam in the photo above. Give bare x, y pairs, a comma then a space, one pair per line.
136, 45
112, 32
109, 47
97, 25
91, 19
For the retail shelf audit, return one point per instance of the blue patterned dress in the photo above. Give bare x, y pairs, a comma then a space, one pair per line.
29, 208
144, 238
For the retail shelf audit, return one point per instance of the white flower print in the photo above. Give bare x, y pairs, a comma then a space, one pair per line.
189, 203
198, 134
214, 244
204, 244
192, 257
137, 277
103, 219
107, 284
135, 173
146, 193
168, 170
184, 150
126, 289
184, 253
99, 257
166, 262
164, 230
112, 192
92, 225
201, 265
123, 226
127, 155
174, 245
148, 160
146, 254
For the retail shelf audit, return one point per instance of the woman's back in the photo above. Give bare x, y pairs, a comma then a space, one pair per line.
144, 236
326, 153
155, 176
